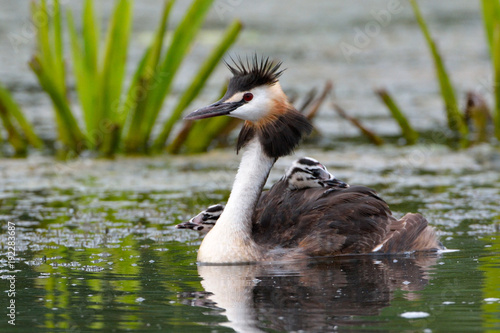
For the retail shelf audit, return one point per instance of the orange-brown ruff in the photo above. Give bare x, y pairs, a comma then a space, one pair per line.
295, 224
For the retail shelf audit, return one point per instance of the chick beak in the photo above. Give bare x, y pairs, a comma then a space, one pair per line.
335, 183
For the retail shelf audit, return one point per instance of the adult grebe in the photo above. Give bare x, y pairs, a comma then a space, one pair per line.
308, 223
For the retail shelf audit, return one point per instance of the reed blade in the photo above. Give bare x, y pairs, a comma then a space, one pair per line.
496, 78
491, 16
91, 36
44, 50
407, 130
456, 122
139, 94
69, 131
374, 138
112, 72
49, 67
115, 57
13, 136
13, 109
182, 40
199, 81
311, 109
85, 79
85, 52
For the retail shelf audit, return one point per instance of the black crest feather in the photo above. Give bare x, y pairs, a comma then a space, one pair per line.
279, 137
252, 73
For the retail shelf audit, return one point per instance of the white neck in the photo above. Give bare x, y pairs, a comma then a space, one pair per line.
230, 241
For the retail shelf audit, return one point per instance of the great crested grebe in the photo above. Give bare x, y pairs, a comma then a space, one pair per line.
297, 224
304, 173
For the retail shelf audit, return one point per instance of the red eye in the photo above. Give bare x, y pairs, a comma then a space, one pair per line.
247, 97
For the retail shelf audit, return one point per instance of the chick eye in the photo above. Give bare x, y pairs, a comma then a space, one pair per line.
247, 97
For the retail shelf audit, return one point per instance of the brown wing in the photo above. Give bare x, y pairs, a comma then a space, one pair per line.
411, 233
319, 223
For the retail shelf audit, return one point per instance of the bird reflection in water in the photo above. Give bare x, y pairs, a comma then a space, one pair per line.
310, 295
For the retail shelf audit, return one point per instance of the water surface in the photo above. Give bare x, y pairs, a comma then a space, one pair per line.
95, 254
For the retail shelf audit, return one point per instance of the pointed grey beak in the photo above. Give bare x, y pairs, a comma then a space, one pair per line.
335, 183
324, 175
219, 108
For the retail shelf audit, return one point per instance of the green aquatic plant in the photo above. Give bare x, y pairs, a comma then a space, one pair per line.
156, 77
197, 84
472, 125
407, 130
456, 122
49, 67
491, 19
99, 73
20, 133
118, 119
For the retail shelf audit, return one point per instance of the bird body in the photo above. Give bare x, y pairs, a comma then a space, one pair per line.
304, 173
360, 222
292, 224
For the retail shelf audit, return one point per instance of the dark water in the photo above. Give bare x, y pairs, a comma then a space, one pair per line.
94, 255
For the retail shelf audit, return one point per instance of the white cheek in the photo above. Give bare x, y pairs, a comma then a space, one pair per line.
235, 98
257, 108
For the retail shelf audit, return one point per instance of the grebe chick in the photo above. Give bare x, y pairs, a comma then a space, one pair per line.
205, 220
307, 172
